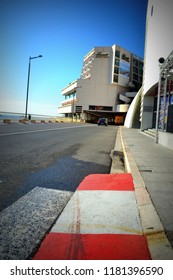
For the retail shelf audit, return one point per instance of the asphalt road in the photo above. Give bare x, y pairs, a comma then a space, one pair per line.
54, 156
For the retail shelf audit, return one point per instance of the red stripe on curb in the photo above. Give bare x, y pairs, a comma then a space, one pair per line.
122, 182
64, 246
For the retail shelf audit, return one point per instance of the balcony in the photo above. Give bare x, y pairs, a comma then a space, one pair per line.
122, 108
67, 106
71, 88
65, 110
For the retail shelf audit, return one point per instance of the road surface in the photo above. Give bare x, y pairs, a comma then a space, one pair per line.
54, 155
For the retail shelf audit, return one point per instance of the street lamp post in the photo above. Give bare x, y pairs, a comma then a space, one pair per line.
27, 92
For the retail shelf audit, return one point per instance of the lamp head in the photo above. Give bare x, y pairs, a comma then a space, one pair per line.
161, 60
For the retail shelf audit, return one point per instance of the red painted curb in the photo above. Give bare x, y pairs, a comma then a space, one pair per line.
106, 182
68, 246
64, 246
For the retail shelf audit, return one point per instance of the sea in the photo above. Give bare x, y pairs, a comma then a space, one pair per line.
20, 116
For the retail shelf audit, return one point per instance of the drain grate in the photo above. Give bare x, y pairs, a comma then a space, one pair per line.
145, 170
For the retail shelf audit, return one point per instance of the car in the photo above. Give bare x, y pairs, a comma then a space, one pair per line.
102, 121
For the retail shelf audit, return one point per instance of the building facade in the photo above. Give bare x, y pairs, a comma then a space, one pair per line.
110, 79
157, 90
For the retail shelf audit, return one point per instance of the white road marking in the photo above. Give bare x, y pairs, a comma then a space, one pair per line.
42, 130
24, 224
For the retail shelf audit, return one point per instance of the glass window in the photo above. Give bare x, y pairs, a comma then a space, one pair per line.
117, 54
116, 70
135, 77
140, 72
103, 108
115, 78
140, 79
71, 96
140, 65
124, 68
124, 72
117, 61
135, 70
135, 62
136, 85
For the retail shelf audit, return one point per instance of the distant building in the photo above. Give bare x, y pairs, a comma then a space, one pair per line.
110, 79
157, 90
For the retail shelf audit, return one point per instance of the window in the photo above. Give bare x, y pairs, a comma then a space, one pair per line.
78, 109
67, 96
125, 57
135, 62
140, 72
137, 86
140, 65
124, 68
116, 70
124, 72
135, 77
115, 78
117, 54
117, 61
100, 108
140, 79
135, 70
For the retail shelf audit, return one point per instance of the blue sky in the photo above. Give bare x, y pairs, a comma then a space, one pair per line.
63, 32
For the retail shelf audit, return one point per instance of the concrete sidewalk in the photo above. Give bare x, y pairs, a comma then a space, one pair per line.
112, 216
151, 166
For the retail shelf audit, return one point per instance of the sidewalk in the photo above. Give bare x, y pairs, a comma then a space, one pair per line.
151, 166
111, 216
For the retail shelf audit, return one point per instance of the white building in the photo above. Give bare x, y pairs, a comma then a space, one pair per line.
158, 44
110, 78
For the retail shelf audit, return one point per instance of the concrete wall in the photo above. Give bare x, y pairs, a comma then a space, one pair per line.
166, 139
98, 90
158, 40
147, 115
158, 43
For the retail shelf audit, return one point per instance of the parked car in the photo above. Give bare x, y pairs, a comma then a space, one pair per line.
102, 121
